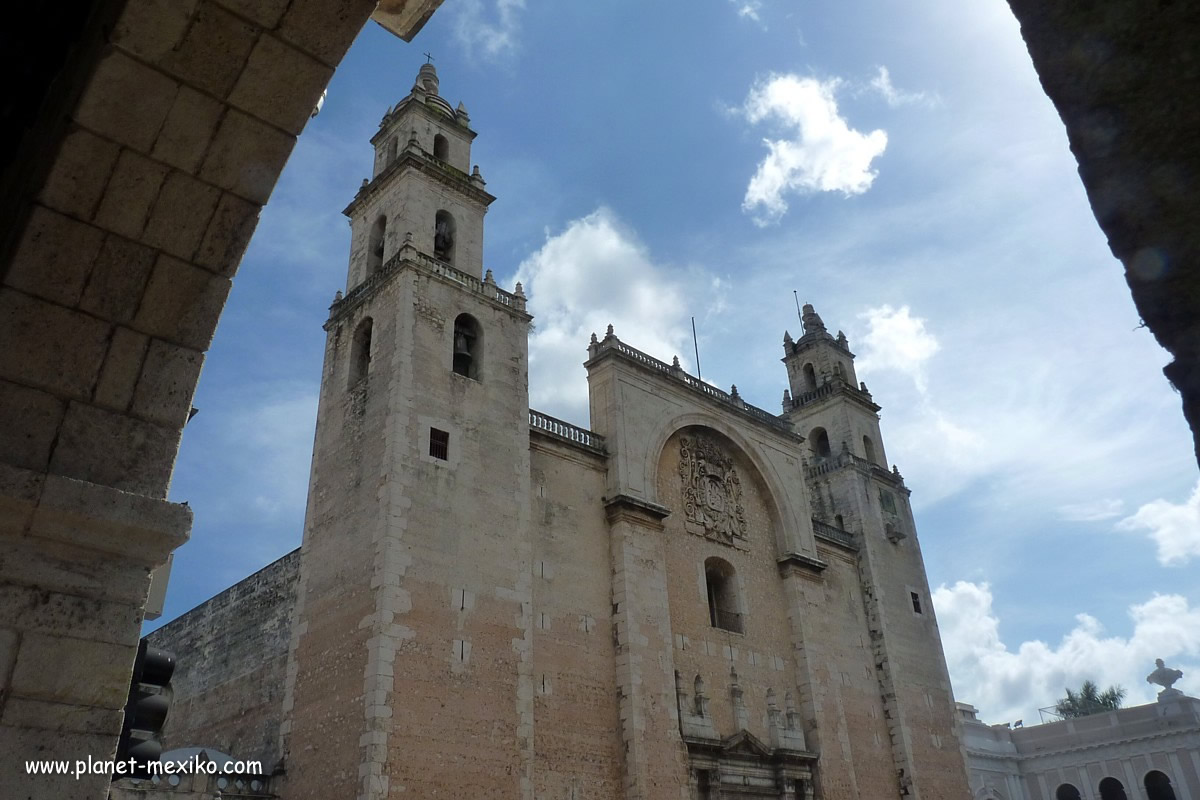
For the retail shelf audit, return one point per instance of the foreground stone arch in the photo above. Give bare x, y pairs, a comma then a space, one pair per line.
153, 133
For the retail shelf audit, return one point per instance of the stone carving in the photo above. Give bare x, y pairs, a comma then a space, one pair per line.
712, 490
1165, 677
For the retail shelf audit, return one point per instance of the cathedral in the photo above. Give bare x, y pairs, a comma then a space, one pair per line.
691, 598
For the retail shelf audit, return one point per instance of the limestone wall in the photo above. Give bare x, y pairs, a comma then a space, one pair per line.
231, 654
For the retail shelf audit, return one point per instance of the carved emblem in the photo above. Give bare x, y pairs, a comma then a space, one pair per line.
712, 490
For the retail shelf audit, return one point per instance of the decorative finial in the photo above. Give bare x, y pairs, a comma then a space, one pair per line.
862, 385
337, 296
841, 340
519, 291
594, 339
811, 320
365, 183
675, 362
408, 237
1165, 677
787, 338
733, 391
476, 177
787, 400
609, 332
487, 277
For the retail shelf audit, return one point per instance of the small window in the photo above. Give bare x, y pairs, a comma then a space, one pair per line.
375, 245
443, 236
819, 442
360, 352
869, 449
810, 378
916, 601
439, 443
468, 345
393, 149
721, 583
441, 148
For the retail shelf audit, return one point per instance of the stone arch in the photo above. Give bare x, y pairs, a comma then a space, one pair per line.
360, 352
810, 378
467, 355
1067, 791
375, 245
785, 518
818, 443
200, 107
1112, 789
441, 147
444, 235
1158, 786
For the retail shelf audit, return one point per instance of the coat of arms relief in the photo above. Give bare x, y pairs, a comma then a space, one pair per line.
712, 491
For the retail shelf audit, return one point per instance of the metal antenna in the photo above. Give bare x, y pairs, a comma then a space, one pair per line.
797, 297
696, 345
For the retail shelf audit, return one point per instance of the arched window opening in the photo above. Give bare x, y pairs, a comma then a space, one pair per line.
393, 149
1066, 792
1112, 789
721, 581
818, 440
837, 520
1158, 786
441, 147
468, 343
869, 449
443, 236
810, 378
375, 245
360, 352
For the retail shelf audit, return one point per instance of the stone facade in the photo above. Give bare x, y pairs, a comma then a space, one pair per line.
1149, 752
696, 598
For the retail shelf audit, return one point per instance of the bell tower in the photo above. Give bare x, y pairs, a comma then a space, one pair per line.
415, 567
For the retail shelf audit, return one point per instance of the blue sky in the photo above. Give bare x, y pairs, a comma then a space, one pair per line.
896, 164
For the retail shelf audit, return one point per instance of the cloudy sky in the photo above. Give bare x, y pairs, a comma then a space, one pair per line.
899, 167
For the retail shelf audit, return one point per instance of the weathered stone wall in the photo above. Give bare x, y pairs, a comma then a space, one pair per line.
576, 742
231, 656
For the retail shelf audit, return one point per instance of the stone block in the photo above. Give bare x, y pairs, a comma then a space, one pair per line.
62, 717
19, 491
168, 381
325, 28
52, 564
189, 128
212, 51
54, 256
150, 29
48, 346
130, 193
28, 445
126, 101
264, 12
20, 744
228, 234
81, 169
77, 671
247, 156
33, 609
122, 365
280, 84
118, 279
181, 214
8, 656
110, 449
182, 303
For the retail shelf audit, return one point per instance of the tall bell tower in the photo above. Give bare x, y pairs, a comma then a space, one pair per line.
415, 568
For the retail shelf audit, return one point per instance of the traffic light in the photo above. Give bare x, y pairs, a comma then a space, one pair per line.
146, 710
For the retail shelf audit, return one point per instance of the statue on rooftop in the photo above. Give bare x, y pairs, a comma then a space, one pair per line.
1165, 677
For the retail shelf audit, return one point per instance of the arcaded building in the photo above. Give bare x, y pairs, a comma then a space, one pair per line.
691, 598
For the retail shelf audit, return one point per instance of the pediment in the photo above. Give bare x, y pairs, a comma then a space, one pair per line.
744, 743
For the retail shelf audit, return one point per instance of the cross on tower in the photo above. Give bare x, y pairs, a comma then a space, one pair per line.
428, 58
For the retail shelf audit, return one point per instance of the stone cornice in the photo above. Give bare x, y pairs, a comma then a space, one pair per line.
636, 510
798, 563
416, 158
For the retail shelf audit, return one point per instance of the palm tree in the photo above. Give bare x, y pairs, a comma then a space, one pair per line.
1089, 700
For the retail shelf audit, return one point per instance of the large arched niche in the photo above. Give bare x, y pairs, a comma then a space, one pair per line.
756, 472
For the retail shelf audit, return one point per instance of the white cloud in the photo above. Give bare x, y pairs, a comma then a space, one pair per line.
882, 83
490, 38
821, 152
896, 340
1007, 685
274, 442
1174, 527
594, 273
1093, 511
748, 9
